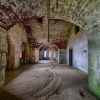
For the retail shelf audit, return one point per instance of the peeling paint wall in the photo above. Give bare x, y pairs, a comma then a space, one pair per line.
79, 44
12, 12
3, 58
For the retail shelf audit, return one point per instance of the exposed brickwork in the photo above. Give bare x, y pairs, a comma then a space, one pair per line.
15, 11
84, 13
38, 32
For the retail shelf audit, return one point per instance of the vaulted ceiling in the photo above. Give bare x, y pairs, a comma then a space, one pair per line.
34, 14
16, 11
37, 30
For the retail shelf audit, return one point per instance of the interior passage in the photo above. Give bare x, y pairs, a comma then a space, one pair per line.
49, 49
46, 81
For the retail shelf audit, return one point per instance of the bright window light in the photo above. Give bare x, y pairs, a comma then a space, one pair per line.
49, 53
45, 53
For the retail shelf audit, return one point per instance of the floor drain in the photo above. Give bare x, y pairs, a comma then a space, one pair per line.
58, 92
82, 93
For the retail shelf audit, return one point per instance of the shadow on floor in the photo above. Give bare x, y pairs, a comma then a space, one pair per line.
4, 95
11, 74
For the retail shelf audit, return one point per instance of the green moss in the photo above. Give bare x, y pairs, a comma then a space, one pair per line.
80, 70
61, 62
95, 88
94, 82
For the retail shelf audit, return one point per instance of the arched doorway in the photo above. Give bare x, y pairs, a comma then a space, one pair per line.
48, 52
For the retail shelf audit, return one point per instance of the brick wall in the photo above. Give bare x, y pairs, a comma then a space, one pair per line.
3, 52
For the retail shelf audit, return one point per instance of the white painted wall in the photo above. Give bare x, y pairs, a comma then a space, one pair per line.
79, 44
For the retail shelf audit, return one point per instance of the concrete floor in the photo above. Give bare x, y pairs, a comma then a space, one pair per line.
46, 81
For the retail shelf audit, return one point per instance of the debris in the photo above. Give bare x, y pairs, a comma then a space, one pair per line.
47, 70
53, 67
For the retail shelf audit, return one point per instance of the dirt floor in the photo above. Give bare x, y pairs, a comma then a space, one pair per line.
46, 81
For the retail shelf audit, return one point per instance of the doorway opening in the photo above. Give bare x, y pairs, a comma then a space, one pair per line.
71, 57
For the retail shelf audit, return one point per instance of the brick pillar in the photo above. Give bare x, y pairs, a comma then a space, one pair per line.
62, 56
11, 51
3, 51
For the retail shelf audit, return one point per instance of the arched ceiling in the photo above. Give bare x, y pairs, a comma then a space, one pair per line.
48, 46
38, 31
84, 13
16, 11
34, 15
